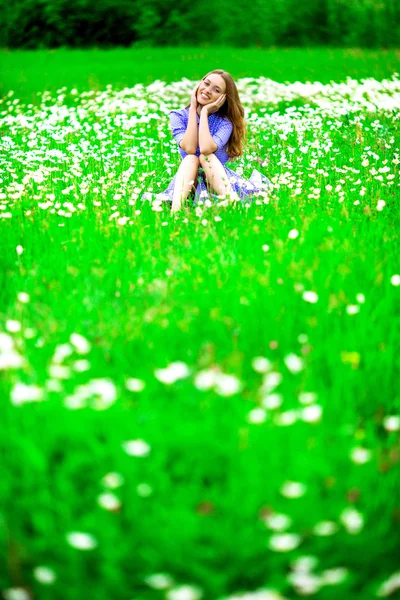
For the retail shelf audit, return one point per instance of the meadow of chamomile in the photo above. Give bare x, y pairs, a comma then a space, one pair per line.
201, 405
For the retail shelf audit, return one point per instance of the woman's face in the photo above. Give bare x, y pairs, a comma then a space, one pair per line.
210, 89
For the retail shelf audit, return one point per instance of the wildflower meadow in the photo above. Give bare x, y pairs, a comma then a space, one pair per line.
201, 405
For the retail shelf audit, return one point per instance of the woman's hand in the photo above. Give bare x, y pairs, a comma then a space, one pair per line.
214, 106
193, 100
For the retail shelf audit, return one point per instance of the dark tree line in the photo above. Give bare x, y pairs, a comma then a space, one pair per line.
263, 23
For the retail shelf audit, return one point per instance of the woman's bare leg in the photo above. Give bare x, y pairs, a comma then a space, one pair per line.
185, 180
216, 176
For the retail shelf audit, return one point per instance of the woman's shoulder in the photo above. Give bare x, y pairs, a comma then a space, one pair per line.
224, 118
179, 111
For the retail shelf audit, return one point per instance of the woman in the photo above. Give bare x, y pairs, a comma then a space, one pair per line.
209, 132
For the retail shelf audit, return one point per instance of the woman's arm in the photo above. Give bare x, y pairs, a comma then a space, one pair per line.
207, 144
189, 142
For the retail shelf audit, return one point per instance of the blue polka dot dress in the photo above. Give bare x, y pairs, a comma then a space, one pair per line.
220, 130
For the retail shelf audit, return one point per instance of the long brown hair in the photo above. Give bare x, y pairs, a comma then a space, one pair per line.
233, 110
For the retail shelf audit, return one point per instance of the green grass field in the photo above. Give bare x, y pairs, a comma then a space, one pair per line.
201, 405
28, 72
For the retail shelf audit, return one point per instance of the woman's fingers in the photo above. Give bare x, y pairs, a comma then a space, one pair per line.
220, 101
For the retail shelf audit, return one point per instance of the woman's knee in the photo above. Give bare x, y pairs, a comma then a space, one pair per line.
191, 159
205, 158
